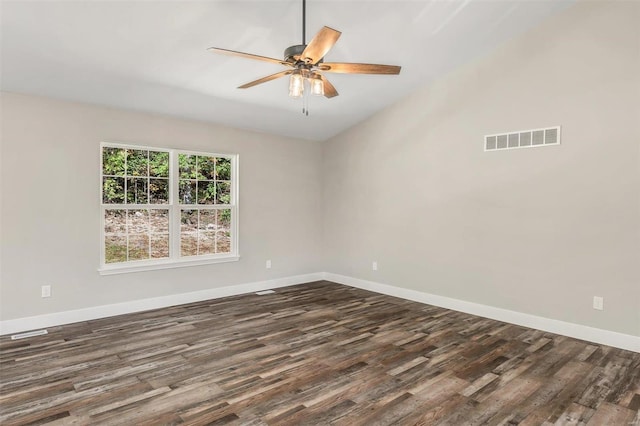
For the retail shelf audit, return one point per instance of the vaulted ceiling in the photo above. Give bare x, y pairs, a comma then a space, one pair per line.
151, 55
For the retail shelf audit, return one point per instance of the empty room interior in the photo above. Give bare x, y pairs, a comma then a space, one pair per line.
319, 212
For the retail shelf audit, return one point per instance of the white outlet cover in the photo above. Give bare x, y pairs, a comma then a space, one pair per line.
598, 303
374, 266
268, 264
46, 291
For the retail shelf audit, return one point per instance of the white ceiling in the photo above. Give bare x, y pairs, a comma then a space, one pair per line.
151, 55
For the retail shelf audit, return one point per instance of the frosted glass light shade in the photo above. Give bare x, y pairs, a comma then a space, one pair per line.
296, 85
317, 86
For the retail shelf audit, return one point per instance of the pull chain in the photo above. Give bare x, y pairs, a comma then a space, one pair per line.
305, 97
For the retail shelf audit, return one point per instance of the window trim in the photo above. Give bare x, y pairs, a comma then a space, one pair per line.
175, 260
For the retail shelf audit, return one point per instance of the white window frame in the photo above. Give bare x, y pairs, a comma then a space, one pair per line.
175, 260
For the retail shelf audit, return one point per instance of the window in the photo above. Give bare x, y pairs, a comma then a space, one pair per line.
165, 208
204, 198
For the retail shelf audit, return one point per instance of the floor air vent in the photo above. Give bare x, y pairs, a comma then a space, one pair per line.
264, 292
523, 139
28, 334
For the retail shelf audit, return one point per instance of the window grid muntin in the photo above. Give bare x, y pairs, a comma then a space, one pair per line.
127, 233
197, 208
127, 176
196, 181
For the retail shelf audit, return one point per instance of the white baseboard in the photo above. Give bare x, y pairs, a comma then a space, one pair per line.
596, 335
67, 317
583, 332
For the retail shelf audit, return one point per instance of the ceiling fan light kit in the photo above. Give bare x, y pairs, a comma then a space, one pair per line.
308, 66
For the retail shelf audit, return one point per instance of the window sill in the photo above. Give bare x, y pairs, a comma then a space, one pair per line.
166, 264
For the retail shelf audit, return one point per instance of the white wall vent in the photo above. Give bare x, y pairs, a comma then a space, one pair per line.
523, 139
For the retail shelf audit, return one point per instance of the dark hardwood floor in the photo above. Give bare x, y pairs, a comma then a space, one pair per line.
318, 353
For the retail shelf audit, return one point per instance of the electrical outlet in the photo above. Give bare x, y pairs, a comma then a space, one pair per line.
268, 264
46, 291
598, 303
374, 266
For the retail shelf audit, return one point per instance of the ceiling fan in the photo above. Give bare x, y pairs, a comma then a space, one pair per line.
306, 66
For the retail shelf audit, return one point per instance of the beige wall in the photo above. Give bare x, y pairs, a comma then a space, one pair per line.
538, 231
50, 216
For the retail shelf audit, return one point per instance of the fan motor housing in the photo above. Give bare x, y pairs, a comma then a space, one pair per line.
292, 53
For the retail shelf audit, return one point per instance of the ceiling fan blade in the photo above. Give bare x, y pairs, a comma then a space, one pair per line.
320, 45
329, 90
249, 56
265, 79
359, 68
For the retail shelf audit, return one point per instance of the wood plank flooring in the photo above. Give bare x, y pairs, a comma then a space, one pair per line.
318, 353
